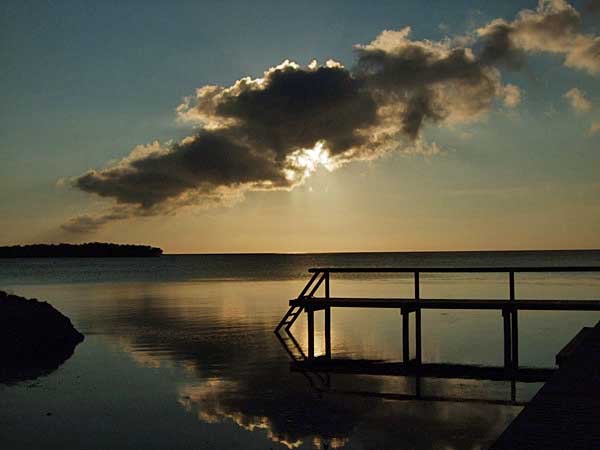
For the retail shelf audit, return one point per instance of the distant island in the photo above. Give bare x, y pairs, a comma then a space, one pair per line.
87, 250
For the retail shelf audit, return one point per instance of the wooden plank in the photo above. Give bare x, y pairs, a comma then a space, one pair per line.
564, 413
492, 304
569, 350
453, 270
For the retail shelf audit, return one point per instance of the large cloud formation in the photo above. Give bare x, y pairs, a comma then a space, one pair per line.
272, 132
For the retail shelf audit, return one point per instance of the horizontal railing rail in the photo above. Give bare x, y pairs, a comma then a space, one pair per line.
321, 276
453, 269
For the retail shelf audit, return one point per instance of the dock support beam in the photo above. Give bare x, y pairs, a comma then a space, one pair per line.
310, 314
507, 340
405, 335
418, 354
511, 329
514, 324
515, 340
327, 319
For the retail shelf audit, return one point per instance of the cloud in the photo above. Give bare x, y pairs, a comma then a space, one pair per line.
512, 96
594, 128
554, 27
272, 132
86, 223
577, 100
291, 108
268, 133
426, 81
196, 168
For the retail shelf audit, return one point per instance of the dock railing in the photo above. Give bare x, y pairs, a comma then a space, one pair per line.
309, 303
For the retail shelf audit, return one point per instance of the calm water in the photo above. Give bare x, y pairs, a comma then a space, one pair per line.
180, 353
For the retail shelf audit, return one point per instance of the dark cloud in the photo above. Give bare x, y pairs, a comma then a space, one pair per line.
296, 108
497, 47
202, 163
426, 81
267, 133
411, 64
274, 131
419, 107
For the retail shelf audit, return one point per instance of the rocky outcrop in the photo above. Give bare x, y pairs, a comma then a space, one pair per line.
35, 338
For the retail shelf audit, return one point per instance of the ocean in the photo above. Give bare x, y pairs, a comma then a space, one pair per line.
180, 352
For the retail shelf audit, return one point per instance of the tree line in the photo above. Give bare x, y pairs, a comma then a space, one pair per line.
89, 249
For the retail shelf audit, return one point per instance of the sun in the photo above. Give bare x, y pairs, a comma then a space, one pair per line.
302, 163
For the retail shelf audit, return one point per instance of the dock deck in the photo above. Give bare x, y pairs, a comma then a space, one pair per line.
564, 413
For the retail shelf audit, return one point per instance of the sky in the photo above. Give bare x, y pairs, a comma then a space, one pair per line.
235, 126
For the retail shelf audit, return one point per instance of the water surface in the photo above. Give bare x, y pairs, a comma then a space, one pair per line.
180, 353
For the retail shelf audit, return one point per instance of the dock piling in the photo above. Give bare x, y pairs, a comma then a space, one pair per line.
405, 335
310, 314
327, 319
507, 340
418, 353
514, 324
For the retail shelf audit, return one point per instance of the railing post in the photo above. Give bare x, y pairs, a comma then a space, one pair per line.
507, 344
418, 354
514, 323
405, 347
311, 331
513, 390
511, 285
327, 319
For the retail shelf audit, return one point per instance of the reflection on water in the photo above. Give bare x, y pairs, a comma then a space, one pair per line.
192, 364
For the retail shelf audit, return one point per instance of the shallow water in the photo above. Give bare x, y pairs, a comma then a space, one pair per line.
180, 353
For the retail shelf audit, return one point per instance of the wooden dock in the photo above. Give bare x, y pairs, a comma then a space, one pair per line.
564, 413
309, 303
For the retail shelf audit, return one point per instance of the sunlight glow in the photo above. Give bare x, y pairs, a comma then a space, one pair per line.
302, 163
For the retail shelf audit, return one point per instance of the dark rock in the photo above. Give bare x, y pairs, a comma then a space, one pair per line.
35, 338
